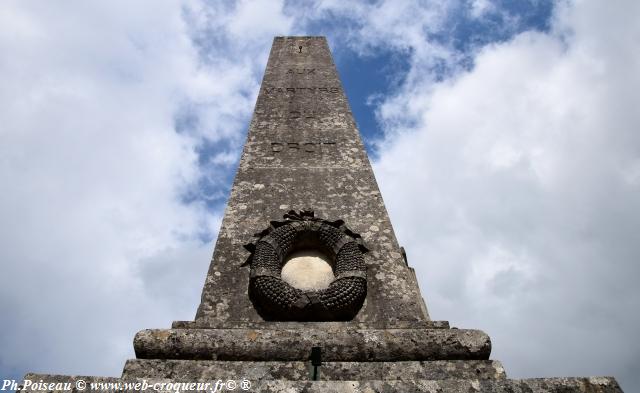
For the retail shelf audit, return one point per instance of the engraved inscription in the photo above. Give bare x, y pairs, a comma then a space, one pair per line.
299, 90
301, 71
304, 147
264, 119
303, 113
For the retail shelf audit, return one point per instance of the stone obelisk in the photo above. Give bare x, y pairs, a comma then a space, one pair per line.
308, 289
304, 151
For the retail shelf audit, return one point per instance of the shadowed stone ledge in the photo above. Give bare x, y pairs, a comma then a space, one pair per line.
201, 370
350, 345
205, 323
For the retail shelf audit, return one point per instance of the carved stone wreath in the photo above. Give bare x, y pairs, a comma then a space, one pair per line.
275, 299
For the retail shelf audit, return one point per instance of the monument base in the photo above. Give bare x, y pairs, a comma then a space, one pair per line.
280, 357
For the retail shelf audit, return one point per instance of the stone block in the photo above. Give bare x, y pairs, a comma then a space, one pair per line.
351, 345
201, 370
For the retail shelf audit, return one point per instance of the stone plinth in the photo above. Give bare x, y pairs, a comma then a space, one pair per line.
350, 345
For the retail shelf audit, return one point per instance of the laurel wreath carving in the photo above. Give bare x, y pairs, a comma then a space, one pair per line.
277, 300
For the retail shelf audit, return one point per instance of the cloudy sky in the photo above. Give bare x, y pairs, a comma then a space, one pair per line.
504, 136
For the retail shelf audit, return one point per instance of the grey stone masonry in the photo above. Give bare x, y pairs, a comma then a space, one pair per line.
345, 344
303, 150
304, 182
299, 371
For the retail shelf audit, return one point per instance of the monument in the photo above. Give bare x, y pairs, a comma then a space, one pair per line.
308, 289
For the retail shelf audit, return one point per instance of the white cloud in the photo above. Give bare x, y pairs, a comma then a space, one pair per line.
95, 227
528, 215
258, 19
479, 8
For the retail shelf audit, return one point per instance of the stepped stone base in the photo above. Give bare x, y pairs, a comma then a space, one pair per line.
277, 358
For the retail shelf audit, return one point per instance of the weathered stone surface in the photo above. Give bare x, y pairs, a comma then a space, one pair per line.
308, 270
303, 151
200, 370
211, 324
556, 385
541, 385
337, 345
443, 369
